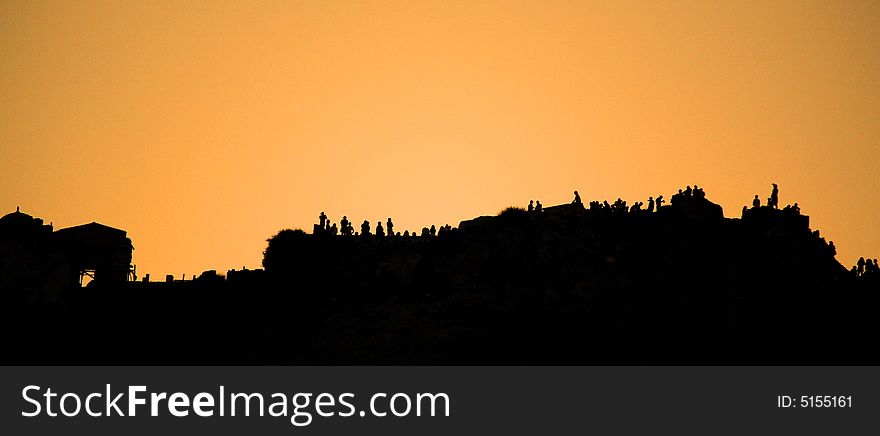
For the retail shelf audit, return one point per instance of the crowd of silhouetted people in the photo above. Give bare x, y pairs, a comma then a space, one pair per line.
773, 203
654, 204
621, 206
866, 268
346, 228
687, 194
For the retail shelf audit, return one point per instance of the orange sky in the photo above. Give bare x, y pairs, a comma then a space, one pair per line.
203, 128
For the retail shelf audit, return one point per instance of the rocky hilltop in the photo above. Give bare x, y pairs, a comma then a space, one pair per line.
565, 285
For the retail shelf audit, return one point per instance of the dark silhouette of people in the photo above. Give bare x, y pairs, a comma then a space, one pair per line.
796, 209
650, 204
334, 230
531, 205
380, 232
538, 207
577, 199
434, 230
425, 232
677, 197
365, 228
346, 231
756, 203
390, 226
688, 191
774, 197
861, 267
323, 219
406, 233
659, 202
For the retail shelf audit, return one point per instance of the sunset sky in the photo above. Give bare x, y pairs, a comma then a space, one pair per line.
203, 128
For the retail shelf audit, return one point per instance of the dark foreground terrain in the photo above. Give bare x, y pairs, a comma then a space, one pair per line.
569, 285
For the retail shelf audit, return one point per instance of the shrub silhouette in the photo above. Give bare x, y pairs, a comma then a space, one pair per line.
287, 248
512, 211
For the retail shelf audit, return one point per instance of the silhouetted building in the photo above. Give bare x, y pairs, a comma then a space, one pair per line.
97, 251
26, 259
21, 225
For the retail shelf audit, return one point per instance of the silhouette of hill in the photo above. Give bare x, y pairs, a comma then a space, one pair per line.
568, 284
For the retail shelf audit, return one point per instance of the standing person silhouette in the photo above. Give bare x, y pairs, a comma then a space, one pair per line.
531, 205
538, 207
774, 197
390, 226
344, 225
